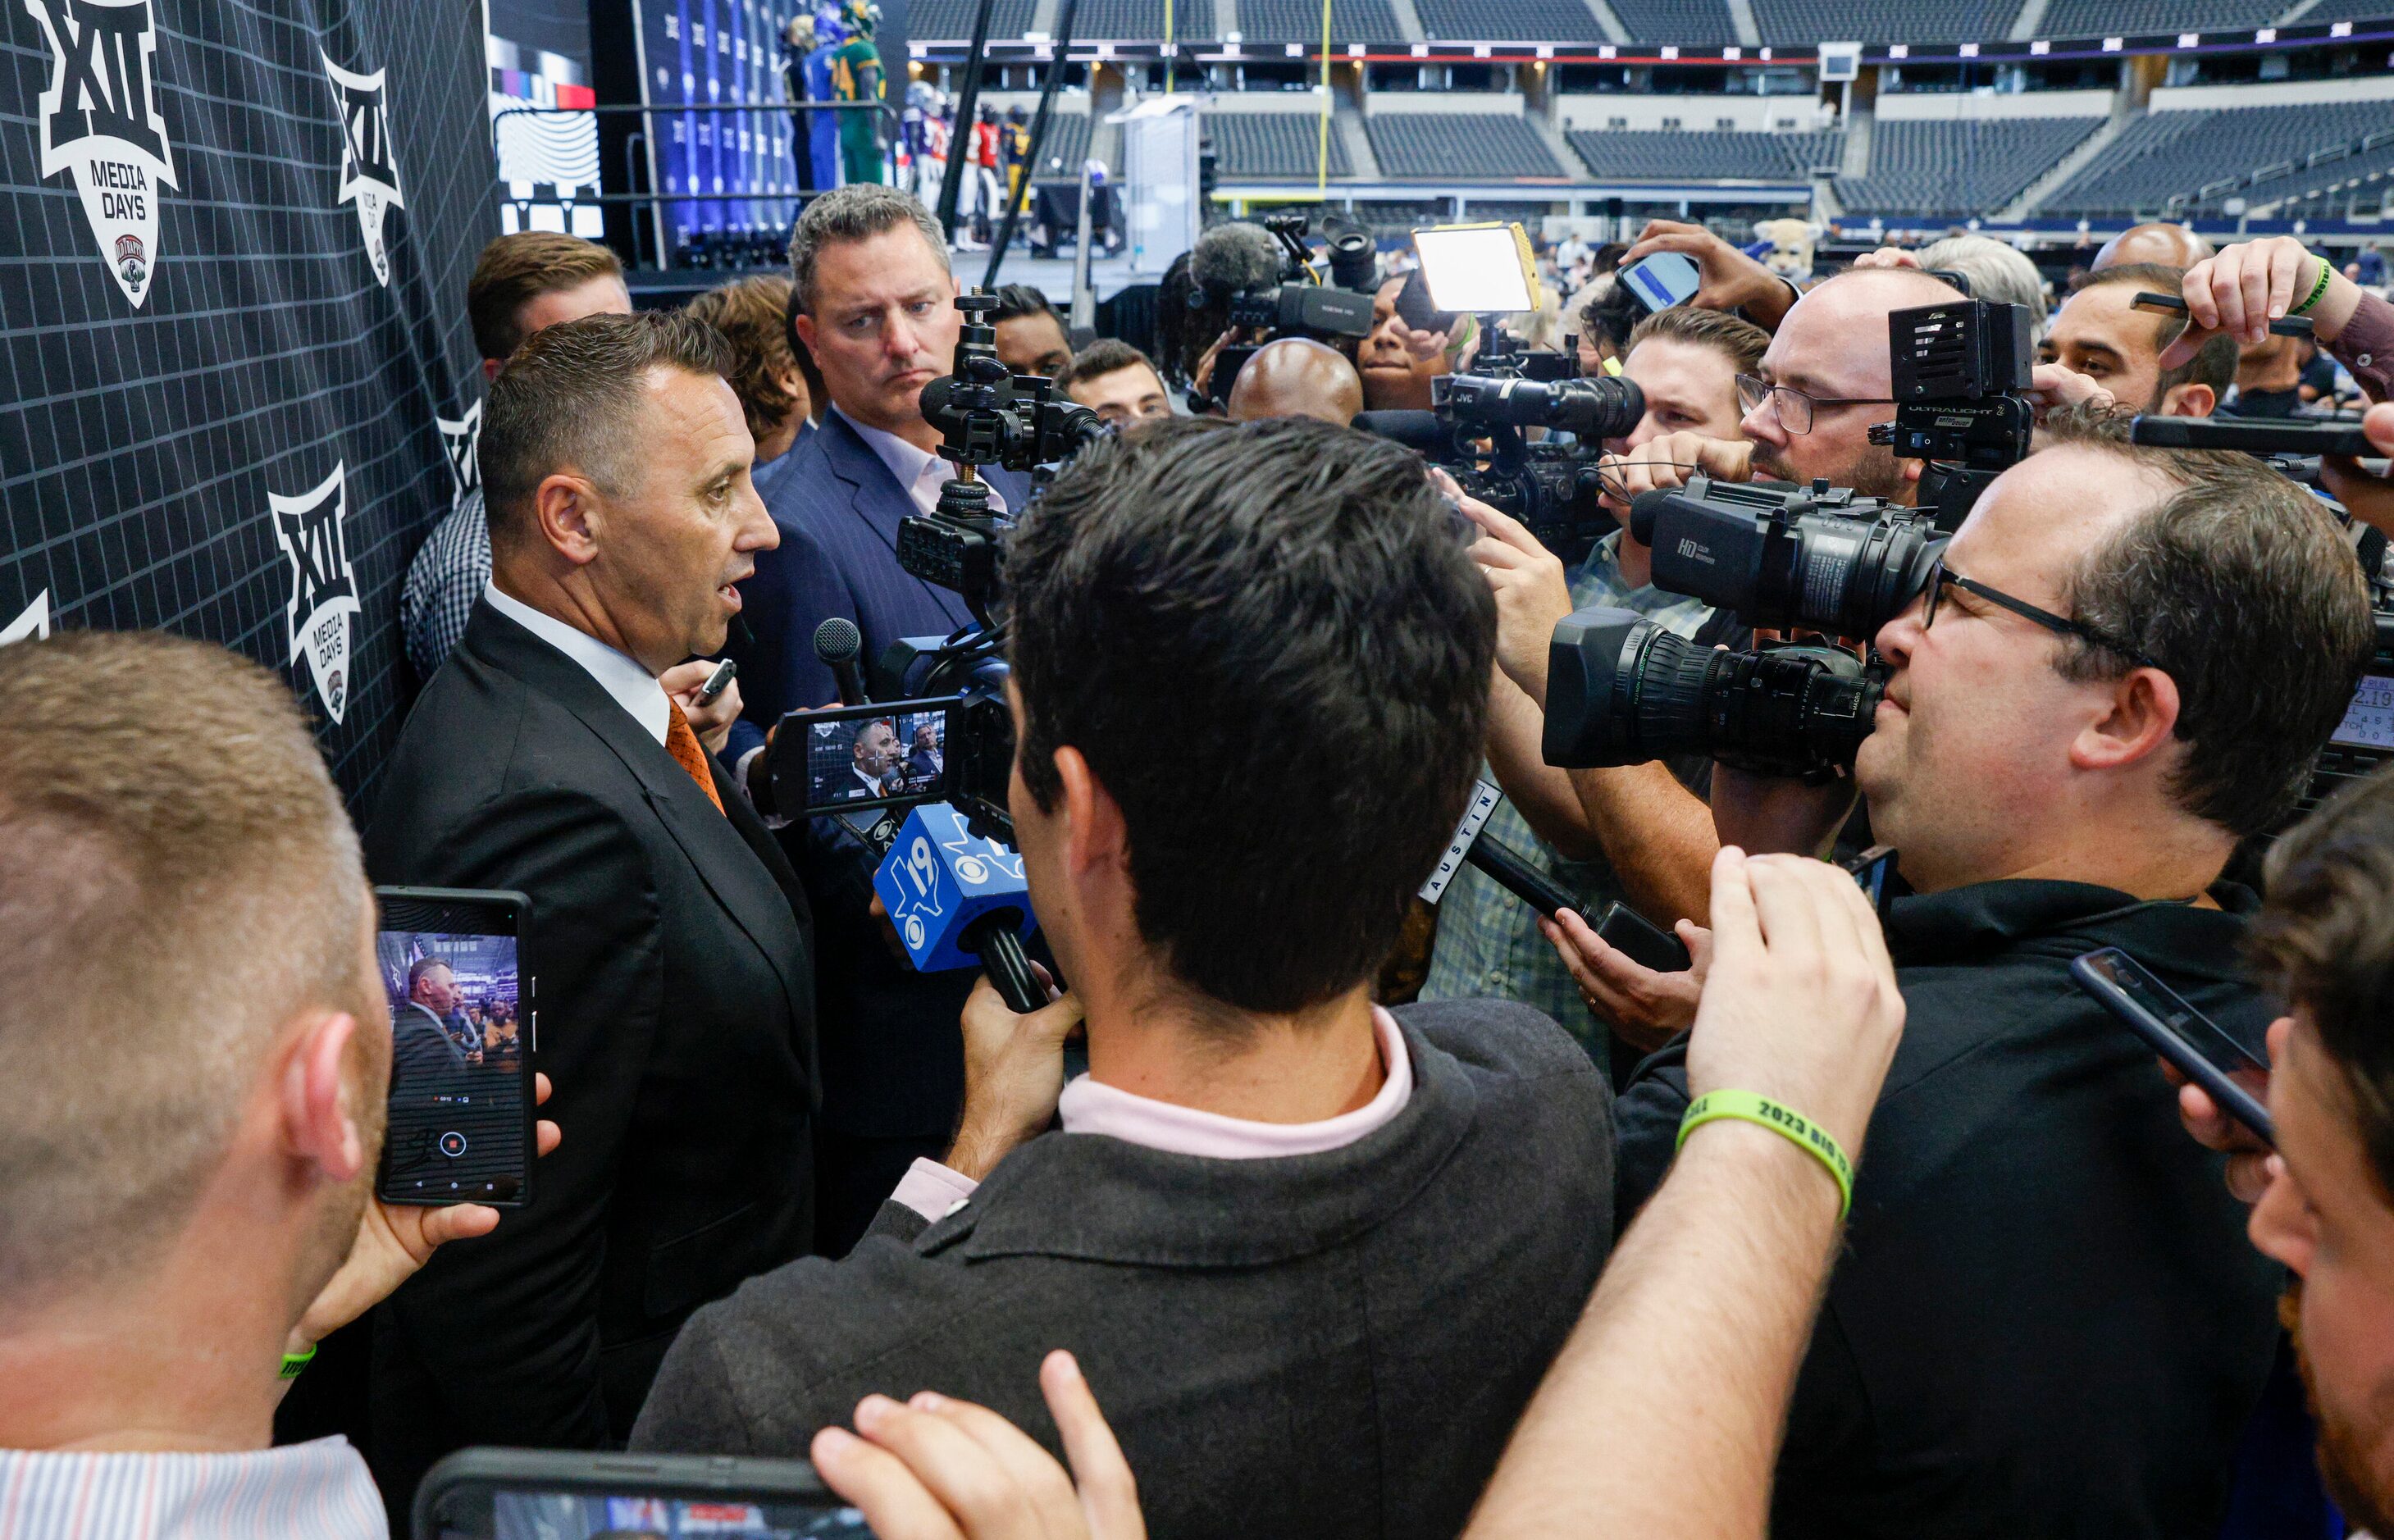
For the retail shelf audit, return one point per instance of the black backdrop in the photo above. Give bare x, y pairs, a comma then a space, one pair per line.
146, 447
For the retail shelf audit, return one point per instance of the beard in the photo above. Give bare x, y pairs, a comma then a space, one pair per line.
2343, 1450
1874, 471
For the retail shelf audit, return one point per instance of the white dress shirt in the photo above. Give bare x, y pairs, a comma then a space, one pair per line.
314, 1491
1091, 1107
921, 474
633, 687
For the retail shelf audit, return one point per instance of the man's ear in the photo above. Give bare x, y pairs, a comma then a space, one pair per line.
804, 325
320, 1128
565, 508
491, 367
2141, 721
1912, 469
1094, 836
2191, 400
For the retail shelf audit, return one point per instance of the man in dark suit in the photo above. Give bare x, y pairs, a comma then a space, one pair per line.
924, 761
668, 966
878, 321
1313, 1254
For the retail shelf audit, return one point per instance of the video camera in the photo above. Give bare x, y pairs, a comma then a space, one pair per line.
1961, 374
1263, 278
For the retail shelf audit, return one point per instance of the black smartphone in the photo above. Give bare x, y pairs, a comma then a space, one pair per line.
2253, 435
1872, 870
1637, 937
565, 1494
464, 1022
1420, 312
2170, 303
2191, 1042
860, 758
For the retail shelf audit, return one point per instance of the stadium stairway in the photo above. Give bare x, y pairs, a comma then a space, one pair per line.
2058, 175
1348, 123
1226, 17
1741, 16
1408, 23
1611, 22
2030, 17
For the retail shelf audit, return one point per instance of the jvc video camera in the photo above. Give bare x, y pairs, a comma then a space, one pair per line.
986, 414
1814, 559
1961, 374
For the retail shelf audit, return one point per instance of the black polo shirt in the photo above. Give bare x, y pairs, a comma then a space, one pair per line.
2046, 1320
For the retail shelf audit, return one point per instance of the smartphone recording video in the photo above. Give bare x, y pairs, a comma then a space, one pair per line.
460, 1124
564, 1495
870, 756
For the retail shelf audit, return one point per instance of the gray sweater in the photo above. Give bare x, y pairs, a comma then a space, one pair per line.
1317, 1345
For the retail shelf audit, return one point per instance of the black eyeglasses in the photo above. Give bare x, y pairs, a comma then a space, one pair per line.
1939, 577
1794, 407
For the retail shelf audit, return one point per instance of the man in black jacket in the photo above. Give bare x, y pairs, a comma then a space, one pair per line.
2046, 1322
1313, 1254
668, 969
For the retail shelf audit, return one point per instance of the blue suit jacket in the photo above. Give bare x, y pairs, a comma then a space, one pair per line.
893, 1062
837, 506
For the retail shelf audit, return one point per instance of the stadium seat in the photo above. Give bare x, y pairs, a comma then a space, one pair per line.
1067, 146
1676, 20
1806, 22
1473, 146
948, 19
1958, 166
1300, 21
1511, 22
2136, 17
1671, 154
1272, 144
2170, 155
1142, 20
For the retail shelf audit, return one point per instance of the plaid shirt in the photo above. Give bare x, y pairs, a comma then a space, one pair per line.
445, 579
1488, 942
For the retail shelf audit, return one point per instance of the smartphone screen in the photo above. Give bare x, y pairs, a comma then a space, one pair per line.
2369, 720
579, 1516
2189, 1040
485, 1493
461, 1038
863, 756
1662, 281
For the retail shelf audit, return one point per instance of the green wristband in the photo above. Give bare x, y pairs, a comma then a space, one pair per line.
294, 1362
2317, 289
1807, 1136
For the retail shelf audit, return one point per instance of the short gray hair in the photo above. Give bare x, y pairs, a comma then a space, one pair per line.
1995, 272
857, 212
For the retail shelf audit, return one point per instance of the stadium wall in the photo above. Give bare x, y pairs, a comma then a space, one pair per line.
2288, 93
1748, 113
1917, 106
232, 280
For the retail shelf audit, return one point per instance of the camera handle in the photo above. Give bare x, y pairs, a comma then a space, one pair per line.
994, 937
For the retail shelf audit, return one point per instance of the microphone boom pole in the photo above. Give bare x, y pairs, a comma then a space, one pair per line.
960, 139
1038, 141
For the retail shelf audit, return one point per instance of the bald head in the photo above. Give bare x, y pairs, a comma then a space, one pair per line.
1297, 377
2171, 245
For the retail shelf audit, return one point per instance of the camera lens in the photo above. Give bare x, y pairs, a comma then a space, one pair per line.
1607, 407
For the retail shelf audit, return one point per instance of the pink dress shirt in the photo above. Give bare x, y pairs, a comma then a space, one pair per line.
1087, 1107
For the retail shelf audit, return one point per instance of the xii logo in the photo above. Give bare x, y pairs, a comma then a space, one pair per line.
100, 124
368, 169
323, 589
461, 440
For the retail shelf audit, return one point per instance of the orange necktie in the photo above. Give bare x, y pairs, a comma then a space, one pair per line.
682, 743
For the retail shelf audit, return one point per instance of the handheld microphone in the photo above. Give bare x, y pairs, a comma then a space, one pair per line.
837, 641
957, 898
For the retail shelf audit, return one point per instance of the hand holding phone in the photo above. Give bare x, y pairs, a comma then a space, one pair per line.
2189, 1042
1661, 281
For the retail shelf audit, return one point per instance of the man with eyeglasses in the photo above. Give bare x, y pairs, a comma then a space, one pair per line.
2046, 1321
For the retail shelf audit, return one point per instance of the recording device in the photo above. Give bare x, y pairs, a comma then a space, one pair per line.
463, 1028
2190, 1042
1818, 558
2365, 739
986, 414
863, 757
1485, 269
1961, 374
837, 642
1618, 926
1294, 309
2170, 303
1354, 255
1415, 307
2266, 436
717, 682
1659, 281
958, 897
1623, 690
485, 1493
1258, 277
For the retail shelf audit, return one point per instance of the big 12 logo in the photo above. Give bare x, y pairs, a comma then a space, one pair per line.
99, 123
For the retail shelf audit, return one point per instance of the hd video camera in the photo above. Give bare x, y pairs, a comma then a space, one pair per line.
1961, 376
1294, 303
1554, 488
986, 414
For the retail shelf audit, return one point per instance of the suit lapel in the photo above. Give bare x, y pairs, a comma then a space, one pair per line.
741, 881
879, 502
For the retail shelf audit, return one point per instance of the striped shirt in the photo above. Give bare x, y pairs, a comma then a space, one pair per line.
316, 1490
1487, 944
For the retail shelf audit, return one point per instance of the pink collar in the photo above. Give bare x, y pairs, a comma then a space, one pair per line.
1087, 1107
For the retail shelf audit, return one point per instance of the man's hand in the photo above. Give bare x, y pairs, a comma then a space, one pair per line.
2366, 497
2051, 385
943, 1469
1014, 1072
1532, 591
1646, 1008
712, 722
2238, 292
1731, 279
2249, 1160
1667, 462
1800, 1003
393, 1241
